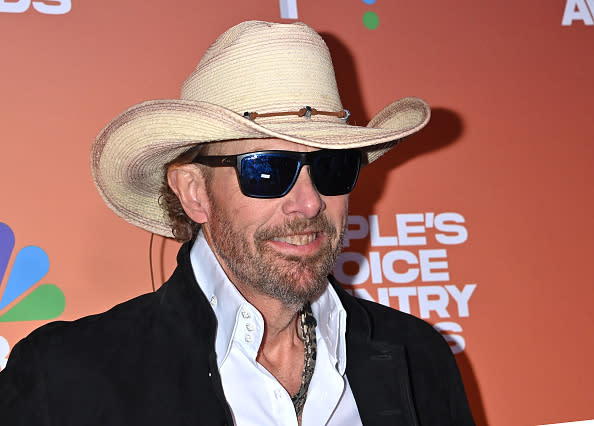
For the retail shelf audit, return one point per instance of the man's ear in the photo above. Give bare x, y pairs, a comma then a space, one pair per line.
187, 182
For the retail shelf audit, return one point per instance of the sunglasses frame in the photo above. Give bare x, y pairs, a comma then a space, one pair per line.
303, 159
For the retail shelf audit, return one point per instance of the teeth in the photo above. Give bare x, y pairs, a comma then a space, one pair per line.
297, 240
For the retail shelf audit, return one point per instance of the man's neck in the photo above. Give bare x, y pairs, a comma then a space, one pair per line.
280, 321
281, 351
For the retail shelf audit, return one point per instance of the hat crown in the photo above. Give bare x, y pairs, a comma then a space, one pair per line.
255, 67
265, 67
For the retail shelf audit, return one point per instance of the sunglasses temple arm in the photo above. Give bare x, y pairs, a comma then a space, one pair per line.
216, 160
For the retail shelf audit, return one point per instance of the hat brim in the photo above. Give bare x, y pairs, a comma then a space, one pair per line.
129, 154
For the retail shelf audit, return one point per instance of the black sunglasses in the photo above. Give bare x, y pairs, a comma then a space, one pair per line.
272, 174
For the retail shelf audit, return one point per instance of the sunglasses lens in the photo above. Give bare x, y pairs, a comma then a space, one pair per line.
336, 172
267, 175
272, 174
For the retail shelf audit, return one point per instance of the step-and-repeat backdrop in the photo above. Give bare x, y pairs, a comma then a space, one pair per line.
481, 224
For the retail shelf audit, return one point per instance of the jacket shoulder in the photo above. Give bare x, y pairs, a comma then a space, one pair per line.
391, 322
436, 386
383, 323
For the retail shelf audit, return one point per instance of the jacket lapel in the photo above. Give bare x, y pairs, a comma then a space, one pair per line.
377, 371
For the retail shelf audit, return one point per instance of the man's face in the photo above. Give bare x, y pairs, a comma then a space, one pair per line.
282, 248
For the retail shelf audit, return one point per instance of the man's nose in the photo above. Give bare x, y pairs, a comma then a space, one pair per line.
303, 199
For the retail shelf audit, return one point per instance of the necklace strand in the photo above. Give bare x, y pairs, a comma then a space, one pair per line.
308, 323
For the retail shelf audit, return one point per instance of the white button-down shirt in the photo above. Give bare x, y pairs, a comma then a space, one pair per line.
254, 395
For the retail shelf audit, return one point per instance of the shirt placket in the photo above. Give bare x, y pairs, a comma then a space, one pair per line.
249, 333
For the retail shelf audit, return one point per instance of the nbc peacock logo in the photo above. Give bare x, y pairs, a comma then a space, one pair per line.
23, 297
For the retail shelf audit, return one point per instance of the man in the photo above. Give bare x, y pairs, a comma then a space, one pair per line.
253, 166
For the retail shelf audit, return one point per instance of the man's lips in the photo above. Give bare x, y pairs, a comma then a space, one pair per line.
300, 239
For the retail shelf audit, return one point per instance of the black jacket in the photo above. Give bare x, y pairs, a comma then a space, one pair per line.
151, 361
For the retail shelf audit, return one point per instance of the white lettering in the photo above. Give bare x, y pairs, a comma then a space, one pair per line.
438, 305
576, 10
56, 7
461, 298
403, 294
384, 268
358, 233
4, 351
429, 219
62, 7
400, 277
382, 296
456, 342
429, 299
362, 274
428, 266
396, 266
288, 9
443, 224
376, 267
405, 229
18, 6
374, 233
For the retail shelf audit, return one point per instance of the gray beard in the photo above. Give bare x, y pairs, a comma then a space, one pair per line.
289, 279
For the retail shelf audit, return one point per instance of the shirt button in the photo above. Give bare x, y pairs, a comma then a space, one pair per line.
248, 338
213, 301
278, 394
250, 327
245, 314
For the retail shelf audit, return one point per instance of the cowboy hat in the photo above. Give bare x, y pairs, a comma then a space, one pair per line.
257, 80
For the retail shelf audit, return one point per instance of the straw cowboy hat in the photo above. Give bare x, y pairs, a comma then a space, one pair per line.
255, 81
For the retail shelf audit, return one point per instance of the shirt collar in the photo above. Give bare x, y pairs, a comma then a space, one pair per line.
228, 304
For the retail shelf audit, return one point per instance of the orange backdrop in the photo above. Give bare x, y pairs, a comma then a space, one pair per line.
481, 223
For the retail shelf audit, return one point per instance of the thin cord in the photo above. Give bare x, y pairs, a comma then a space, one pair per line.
151, 260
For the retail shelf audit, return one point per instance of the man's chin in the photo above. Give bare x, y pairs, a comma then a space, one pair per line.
300, 270
295, 297
293, 282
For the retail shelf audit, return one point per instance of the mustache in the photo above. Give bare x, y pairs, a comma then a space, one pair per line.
319, 224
